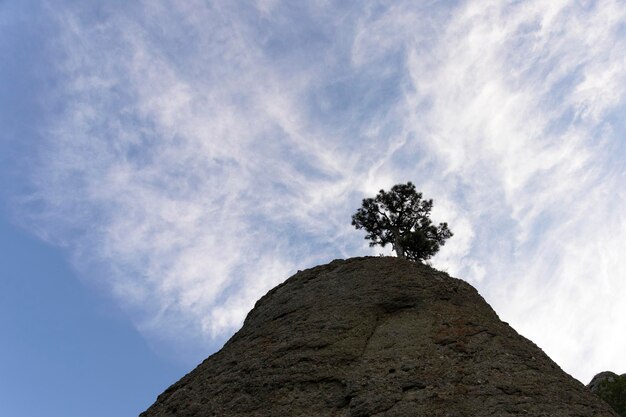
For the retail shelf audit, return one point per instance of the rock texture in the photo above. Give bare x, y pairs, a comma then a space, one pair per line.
376, 337
611, 388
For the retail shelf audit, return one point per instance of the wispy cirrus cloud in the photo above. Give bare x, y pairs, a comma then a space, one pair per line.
207, 150
508, 110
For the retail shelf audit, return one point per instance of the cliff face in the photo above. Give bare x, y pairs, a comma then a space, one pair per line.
376, 337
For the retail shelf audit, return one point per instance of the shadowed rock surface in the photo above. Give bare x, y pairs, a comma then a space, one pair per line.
612, 389
376, 337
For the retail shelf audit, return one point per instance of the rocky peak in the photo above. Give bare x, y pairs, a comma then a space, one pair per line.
376, 336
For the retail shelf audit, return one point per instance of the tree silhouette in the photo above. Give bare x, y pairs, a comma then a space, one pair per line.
401, 217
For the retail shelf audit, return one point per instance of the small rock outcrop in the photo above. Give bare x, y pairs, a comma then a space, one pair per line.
612, 389
380, 337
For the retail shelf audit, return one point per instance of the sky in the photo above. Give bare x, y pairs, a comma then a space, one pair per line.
164, 164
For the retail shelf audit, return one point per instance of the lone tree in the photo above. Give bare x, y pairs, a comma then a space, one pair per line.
401, 217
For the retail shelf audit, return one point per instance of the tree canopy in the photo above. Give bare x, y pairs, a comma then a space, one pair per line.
401, 217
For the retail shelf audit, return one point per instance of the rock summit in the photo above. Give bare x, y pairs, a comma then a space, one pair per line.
376, 336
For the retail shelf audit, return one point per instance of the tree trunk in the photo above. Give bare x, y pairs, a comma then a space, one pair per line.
397, 243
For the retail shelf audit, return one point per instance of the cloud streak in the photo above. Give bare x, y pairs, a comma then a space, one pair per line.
205, 151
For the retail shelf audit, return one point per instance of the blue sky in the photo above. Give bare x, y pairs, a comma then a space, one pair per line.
164, 164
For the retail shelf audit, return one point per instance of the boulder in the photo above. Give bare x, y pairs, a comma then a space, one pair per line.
612, 389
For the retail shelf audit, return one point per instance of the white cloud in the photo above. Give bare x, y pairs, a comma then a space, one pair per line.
206, 151
507, 116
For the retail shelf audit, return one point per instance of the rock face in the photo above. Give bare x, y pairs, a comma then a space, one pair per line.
376, 337
611, 388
